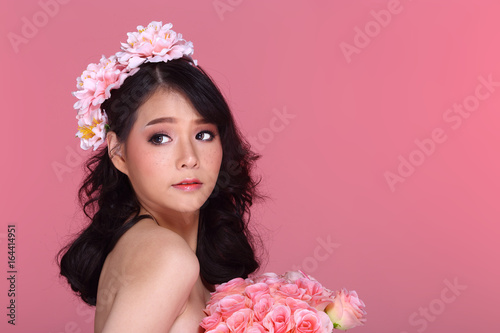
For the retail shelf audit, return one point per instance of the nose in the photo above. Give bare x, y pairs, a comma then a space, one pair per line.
187, 157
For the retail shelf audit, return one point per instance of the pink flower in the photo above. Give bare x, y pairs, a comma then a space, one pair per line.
307, 321
234, 285
94, 87
232, 303
211, 308
269, 278
256, 290
278, 319
311, 287
256, 328
110, 75
155, 43
92, 131
290, 290
89, 113
314, 293
240, 320
326, 323
292, 276
211, 322
291, 303
294, 304
347, 310
221, 328
97, 80
262, 305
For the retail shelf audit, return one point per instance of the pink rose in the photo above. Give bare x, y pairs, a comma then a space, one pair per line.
326, 323
281, 304
256, 328
256, 290
221, 328
262, 305
240, 320
211, 322
294, 304
272, 280
290, 290
234, 285
278, 320
232, 303
212, 308
314, 293
320, 302
307, 321
347, 310
311, 287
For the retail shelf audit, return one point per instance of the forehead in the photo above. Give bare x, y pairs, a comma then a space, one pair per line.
166, 103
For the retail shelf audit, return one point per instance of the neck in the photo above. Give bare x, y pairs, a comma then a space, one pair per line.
183, 224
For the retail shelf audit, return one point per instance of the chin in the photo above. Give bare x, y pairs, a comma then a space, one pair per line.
190, 207
185, 210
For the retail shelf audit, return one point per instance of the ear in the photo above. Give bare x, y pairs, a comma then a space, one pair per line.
115, 152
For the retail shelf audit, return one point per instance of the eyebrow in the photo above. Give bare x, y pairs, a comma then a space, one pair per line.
173, 120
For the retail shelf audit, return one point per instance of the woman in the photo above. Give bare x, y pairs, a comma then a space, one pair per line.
168, 196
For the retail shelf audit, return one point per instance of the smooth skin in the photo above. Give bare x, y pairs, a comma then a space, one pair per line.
150, 281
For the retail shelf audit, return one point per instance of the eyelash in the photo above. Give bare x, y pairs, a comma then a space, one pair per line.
158, 135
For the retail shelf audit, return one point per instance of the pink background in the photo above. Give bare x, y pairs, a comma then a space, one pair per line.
354, 116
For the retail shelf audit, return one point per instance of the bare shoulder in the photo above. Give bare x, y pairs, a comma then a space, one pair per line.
146, 244
160, 269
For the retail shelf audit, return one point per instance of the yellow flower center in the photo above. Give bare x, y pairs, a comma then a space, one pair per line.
87, 130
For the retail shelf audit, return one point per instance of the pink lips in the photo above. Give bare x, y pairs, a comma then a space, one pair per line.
188, 184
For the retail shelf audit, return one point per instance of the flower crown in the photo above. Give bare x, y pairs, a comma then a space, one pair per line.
154, 43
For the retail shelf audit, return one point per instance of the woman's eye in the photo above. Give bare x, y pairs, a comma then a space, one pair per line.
205, 136
159, 139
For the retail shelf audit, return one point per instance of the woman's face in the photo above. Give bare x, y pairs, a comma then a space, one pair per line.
170, 143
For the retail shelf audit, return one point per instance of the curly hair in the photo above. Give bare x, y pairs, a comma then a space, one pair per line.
226, 248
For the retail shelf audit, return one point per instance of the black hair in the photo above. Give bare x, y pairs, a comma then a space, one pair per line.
225, 247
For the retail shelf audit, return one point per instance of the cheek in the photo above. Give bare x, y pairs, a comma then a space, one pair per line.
213, 159
145, 166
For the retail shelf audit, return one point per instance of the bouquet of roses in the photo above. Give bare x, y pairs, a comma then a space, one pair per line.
293, 302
